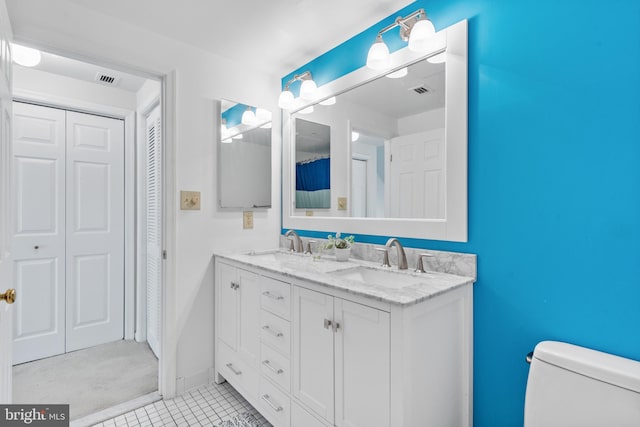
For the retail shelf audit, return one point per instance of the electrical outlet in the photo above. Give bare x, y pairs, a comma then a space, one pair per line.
247, 220
342, 203
309, 213
190, 200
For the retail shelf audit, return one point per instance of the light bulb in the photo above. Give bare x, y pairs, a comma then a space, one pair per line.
355, 135
378, 57
248, 117
285, 101
398, 74
308, 90
421, 32
328, 101
25, 56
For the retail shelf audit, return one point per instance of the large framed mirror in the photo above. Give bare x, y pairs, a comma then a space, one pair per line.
244, 156
398, 147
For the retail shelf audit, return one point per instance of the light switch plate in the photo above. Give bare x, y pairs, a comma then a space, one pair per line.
190, 200
247, 220
309, 213
342, 203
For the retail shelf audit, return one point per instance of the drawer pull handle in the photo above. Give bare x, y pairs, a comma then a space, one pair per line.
272, 332
272, 296
275, 370
230, 366
274, 406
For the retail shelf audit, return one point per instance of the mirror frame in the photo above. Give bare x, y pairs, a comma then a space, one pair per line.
454, 226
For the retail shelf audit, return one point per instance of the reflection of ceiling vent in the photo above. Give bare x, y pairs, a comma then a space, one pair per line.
106, 79
421, 90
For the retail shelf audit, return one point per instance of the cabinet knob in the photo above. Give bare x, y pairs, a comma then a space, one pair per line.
327, 324
9, 296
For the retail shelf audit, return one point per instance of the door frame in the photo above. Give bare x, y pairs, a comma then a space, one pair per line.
168, 333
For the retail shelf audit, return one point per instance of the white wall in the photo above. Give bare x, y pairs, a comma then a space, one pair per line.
201, 78
429, 120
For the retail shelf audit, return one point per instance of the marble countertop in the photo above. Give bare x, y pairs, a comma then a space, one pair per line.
410, 288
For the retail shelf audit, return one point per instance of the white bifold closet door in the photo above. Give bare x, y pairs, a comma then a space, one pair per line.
153, 228
68, 236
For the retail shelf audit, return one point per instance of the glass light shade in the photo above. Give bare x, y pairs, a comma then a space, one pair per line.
308, 90
285, 100
355, 135
378, 57
248, 117
238, 136
25, 56
438, 59
421, 32
227, 141
307, 110
266, 125
398, 74
328, 101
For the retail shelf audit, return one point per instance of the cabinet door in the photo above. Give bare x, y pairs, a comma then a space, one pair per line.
248, 291
362, 365
227, 305
313, 351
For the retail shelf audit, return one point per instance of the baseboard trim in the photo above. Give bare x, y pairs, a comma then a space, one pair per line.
116, 410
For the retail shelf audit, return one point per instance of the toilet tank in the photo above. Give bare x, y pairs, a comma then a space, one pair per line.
575, 386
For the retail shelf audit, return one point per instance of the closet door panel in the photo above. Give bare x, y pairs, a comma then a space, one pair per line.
95, 230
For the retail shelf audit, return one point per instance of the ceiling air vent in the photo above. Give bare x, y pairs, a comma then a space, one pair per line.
106, 79
421, 90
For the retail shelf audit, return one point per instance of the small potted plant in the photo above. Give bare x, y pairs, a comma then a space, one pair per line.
342, 246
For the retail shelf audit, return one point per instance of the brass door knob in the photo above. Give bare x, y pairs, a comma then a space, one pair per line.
9, 296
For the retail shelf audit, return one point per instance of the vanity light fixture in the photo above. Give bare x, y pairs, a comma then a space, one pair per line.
25, 56
248, 117
415, 28
308, 90
307, 110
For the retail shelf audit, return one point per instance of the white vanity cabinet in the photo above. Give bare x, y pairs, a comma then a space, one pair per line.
341, 354
311, 351
238, 341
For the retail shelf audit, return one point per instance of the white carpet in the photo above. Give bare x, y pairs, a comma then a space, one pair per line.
88, 380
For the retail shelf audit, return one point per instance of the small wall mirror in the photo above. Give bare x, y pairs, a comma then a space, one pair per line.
244, 160
313, 165
397, 146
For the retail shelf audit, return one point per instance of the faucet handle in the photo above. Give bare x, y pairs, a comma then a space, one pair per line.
292, 247
420, 265
385, 257
308, 250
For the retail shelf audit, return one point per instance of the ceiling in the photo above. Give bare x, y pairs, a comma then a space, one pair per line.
277, 36
88, 72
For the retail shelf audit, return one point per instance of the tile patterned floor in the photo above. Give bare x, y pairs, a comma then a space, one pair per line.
205, 406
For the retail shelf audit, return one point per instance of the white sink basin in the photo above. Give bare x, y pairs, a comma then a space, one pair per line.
296, 261
373, 276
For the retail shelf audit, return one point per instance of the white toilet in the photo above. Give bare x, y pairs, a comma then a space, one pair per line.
574, 386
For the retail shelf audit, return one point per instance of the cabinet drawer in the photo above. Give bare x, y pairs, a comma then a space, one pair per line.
276, 332
276, 297
274, 404
237, 372
276, 367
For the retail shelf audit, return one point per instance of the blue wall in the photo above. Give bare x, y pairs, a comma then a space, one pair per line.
554, 181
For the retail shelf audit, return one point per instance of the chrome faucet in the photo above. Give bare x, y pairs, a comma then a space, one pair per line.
402, 258
296, 241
